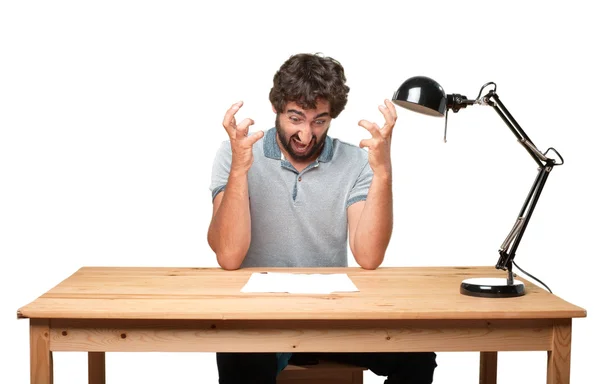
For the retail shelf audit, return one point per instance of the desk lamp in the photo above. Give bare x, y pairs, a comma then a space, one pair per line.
424, 95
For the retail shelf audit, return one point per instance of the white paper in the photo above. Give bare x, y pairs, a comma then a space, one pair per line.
299, 283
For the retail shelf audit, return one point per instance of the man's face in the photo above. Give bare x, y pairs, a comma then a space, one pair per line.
301, 132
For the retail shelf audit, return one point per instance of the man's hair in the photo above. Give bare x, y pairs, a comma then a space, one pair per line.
305, 78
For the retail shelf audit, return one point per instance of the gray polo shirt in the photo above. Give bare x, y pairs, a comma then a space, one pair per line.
299, 219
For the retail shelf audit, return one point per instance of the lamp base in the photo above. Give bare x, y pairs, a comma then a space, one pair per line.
491, 287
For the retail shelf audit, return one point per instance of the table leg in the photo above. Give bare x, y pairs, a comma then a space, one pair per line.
40, 356
559, 358
488, 367
96, 368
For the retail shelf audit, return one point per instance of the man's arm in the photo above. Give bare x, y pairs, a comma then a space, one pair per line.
229, 230
370, 222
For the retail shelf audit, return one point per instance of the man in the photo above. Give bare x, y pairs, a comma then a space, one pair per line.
294, 197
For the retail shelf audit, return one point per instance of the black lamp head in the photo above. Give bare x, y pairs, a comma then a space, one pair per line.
421, 94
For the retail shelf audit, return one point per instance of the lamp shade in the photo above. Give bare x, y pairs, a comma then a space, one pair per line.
421, 94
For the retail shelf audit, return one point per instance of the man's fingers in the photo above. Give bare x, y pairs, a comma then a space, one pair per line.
245, 124
389, 113
371, 127
242, 128
392, 108
365, 143
253, 138
229, 119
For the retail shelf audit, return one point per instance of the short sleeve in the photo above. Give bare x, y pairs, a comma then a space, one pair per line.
220, 169
361, 188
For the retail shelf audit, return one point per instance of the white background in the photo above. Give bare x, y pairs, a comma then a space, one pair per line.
110, 114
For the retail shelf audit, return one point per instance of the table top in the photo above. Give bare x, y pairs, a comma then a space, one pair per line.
387, 293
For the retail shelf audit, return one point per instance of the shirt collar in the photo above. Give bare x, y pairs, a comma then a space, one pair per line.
272, 151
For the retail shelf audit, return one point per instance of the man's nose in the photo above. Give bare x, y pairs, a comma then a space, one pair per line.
305, 134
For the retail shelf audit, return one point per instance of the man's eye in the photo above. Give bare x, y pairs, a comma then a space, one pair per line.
294, 119
319, 122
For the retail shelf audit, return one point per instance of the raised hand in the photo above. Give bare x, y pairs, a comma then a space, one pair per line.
380, 143
241, 143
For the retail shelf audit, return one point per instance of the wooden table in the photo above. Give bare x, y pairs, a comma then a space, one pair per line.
100, 310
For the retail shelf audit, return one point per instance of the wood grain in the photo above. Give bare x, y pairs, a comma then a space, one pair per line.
41, 370
559, 357
301, 336
104, 309
214, 294
323, 373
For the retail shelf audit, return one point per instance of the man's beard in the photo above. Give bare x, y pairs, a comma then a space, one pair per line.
317, 145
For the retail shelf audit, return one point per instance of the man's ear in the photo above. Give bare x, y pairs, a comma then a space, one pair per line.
273, 108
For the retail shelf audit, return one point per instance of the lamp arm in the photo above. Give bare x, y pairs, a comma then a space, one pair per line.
509, 247
493, 100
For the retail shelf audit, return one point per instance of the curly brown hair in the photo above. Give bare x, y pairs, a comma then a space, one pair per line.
304, 78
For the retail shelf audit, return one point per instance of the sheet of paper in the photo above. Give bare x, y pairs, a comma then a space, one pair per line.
299, 283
